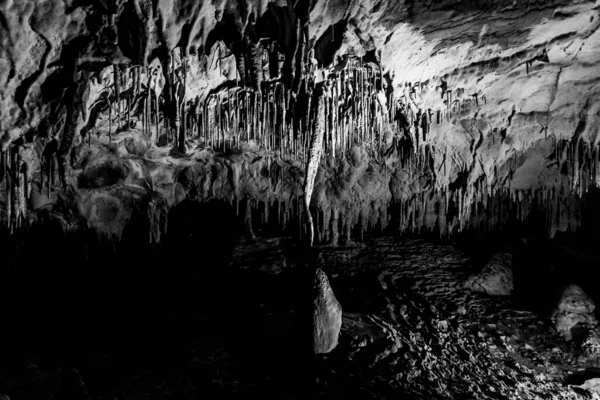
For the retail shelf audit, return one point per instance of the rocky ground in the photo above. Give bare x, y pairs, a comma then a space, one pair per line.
409, 329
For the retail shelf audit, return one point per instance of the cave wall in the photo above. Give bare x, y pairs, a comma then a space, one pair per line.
457, 114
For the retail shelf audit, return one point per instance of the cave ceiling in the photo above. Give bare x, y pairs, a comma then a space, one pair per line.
492, 96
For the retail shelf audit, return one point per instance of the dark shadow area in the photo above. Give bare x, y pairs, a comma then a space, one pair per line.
328, 44
126, 312
542, 266
178, 311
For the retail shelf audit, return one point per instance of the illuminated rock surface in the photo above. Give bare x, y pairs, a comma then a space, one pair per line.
327, 316
478, 111
574, 312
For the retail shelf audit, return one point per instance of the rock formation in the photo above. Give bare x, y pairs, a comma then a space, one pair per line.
443, 127
496, 277
592, 385
330, 123
327, 315
574, 313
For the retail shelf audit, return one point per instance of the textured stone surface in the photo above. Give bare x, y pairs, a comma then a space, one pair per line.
327, 315
593, 385
574, 314
506, 93
502, 83
496, 277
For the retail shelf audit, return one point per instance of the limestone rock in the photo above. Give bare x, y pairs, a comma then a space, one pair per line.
136, 146
496, 278
573, 315
327, 315
593, 385
574, 299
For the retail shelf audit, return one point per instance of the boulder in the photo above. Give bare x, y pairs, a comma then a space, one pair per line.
136, 145
574, 313
327, 315
573, 299
593, 385
496, 278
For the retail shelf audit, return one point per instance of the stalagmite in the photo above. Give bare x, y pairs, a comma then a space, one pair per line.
327, 315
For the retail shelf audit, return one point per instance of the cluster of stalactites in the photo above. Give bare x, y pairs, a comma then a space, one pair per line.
445, 213
358, 102
483, 209
360, 105
580, 160
556, 205
149, 98
358, 109
443, 210
157, 213
15, 177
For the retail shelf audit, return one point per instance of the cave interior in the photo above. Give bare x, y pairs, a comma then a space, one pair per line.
299, 199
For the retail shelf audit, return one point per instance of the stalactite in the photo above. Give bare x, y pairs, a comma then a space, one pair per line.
22, 170
9, 201
4, 178
314, 157
109, 121
348, 113
182, 110
267, 205
117, 85
146, 109
2, 165
596, 167
50, 179
256, 65
128, 99
248, 219
575, 173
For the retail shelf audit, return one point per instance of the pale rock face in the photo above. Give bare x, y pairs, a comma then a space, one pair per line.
327, 316
496, 278
593, 385
574, 313
507, 92
574, 299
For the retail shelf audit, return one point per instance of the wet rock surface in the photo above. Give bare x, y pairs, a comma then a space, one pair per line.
409, 329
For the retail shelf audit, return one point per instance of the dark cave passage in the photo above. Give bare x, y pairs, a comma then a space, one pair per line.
134, 311
117, 311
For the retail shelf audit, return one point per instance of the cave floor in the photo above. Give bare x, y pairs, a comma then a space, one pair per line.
409, 331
